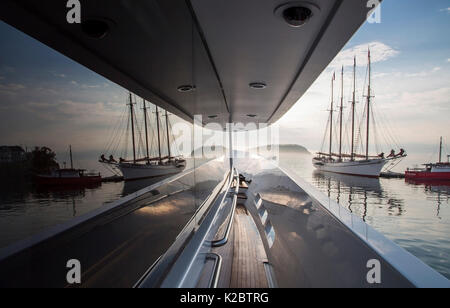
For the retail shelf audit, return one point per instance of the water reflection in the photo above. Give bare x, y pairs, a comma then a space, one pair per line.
64, 194
415, 215
15, 199
134, 186
436, 191
28, 209
357, 193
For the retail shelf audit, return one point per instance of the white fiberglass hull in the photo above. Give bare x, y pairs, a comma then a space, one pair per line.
136, 171
369, 168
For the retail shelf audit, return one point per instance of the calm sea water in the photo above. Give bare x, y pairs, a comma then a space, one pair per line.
32, 210
414, 215
26, 210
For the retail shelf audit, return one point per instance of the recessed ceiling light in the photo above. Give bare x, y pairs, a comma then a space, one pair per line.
95, 28
296, 14
258, 85
186, 88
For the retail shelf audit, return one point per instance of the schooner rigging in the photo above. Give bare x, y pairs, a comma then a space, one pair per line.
353, 163
139, 168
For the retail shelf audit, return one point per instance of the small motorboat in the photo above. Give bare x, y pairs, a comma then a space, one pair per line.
66, 177
438, 171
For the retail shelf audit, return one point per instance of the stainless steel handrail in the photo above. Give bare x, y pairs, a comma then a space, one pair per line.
176, 267
214, 281
224, 240
137, 284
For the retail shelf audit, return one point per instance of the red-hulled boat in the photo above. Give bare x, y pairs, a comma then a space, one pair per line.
438, 171
68, 177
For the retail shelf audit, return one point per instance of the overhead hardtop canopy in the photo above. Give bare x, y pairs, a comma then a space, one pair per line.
225, 60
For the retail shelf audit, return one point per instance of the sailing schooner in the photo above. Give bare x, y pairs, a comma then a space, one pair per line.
353, 163
147, 167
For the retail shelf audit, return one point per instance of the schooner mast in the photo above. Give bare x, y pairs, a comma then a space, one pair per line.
159, 134
369, 96
168, 135
331, 114
132, 128
352, 152
146, 129
341, 112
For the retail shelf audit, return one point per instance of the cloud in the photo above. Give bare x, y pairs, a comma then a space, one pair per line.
67, 110
10, 90
379, 52
60, 75
380, 75
424, 73
11, 87
445, 10
8, 69
433, 99
85, 86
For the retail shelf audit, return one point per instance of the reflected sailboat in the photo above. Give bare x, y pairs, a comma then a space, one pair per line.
147, 167
436, 190
363, 183
351, 191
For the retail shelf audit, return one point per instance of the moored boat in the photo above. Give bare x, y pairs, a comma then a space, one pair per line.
353, 163
367, 168
147, 167
437, 171
68, 177
132, 171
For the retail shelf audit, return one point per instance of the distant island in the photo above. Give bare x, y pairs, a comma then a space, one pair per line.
207, 150
282, 148
287, 148
19, 165
294, 148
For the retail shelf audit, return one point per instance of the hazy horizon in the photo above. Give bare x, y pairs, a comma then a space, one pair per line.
47, 99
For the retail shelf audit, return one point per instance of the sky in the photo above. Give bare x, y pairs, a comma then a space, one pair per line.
411, 73
47, 99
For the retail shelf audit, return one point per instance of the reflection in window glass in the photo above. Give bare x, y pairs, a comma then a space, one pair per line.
51, 105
